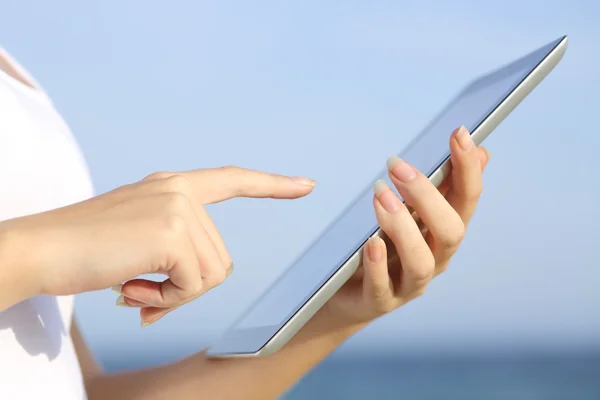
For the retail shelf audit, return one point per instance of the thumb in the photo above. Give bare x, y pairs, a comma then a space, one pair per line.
217, 184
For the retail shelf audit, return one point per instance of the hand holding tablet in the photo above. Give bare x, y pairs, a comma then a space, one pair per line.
333, 259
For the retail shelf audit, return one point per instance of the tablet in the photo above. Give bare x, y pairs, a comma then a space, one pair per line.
335, 255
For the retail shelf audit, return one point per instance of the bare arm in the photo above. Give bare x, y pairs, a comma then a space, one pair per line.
17, 283
377, 290
198, 377
89, 367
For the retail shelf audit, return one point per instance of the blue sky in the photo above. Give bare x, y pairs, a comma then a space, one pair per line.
329, 90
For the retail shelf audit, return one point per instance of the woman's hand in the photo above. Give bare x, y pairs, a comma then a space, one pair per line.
424, 239
157, 225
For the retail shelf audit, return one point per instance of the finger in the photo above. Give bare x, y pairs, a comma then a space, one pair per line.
484, 157
123, 301
218, 184
377, 285
193, 266
183, 284
397, 222
210, 254
446, 184
165, 182
466, 174
186, 279
143, 288
441, 220
150, 315
444, 188
212, 230
213, 185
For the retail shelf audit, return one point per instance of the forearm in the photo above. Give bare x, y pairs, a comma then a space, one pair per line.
198, 377
16, 278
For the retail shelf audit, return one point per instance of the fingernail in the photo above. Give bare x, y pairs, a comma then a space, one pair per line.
401, 169
465, 141
229, 271
374, 249
121, 301
117, 288
145, 324
387, 198
303, 181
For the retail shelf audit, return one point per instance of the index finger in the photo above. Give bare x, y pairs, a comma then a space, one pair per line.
214, 185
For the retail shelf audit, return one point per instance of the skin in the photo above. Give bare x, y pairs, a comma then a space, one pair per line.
156, 225
168, 207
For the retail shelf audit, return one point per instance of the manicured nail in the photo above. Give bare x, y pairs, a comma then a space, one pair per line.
379, 187
303, 181
401, 169
145, 324
374, 249
117, 288
465, 141
387, 198
121, 301
229, 271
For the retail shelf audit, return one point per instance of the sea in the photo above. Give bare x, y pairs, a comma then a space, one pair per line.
448, 377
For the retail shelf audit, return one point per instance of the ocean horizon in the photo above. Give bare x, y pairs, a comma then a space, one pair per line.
490, 376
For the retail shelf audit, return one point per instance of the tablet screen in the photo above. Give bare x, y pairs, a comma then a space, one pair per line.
357, 223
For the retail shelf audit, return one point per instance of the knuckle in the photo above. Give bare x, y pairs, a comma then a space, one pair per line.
475, 194
220, 275
455, 235
175, 183
421, 277
421, 273
379, 295
123, 188
239, 177
216, 276
157, 175
175, 226
442, 268
240, 174
197, 288
175, 203
384, 306
420, 291
230, 169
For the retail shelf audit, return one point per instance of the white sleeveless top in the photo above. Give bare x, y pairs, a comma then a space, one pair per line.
41, 168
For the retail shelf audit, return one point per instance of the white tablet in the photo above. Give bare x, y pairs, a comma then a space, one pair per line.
335, 255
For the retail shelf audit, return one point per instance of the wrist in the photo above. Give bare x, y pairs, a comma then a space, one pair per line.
328, 321
17, 277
